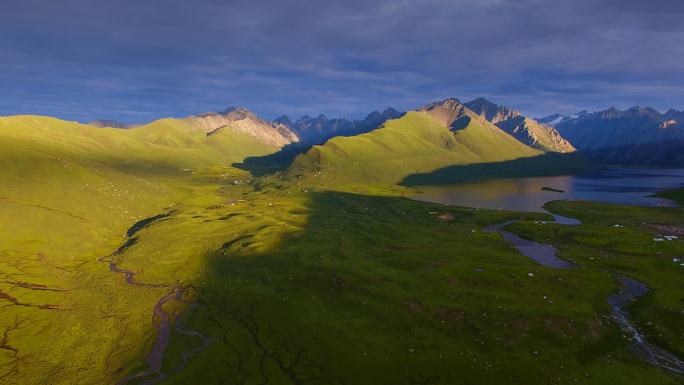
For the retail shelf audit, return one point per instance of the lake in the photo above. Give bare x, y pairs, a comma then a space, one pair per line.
626, 186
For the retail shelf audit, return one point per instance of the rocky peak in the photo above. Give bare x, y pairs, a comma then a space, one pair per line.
611, 113
374, 115
285, 121
228, 110
552, 120
391, 113
638, 112
492, 112
446, 112
451, 103
675, 115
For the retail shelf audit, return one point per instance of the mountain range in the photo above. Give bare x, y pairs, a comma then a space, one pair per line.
306, 130
635, 136
100, 123
444, 142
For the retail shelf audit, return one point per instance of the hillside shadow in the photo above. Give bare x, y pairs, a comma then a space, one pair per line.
541, 165
303, 300
285, 297
269, 164
460, 124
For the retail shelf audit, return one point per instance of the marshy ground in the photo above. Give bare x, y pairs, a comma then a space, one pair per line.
351, 285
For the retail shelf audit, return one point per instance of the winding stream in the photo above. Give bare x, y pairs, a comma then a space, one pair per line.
546, 255
165, 323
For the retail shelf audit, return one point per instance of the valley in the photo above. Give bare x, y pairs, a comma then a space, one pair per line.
322, 271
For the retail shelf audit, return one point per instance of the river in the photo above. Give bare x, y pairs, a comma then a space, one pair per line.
630, 186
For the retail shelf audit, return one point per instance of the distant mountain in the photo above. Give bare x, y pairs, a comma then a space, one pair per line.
315, 131
527, 131
551, 120
100, 123
635, 136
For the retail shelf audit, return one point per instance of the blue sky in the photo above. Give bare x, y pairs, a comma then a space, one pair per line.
138, 61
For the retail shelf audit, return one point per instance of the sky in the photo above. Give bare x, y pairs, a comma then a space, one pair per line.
140, 60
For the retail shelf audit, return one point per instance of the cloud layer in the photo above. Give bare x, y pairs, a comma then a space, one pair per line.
137, 61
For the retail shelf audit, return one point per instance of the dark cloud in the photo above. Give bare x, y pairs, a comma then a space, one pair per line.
137, 61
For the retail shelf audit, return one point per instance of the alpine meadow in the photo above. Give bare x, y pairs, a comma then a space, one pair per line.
442, 242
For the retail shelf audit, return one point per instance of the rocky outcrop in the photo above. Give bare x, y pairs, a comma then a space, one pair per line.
535, 135
102, 123
243, 121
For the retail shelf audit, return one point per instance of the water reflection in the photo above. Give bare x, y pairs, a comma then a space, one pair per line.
626, 186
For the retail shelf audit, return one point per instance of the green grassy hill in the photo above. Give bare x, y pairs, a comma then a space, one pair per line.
418, 148
69, 193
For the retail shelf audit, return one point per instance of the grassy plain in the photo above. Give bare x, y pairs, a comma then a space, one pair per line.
300, 278
301, 287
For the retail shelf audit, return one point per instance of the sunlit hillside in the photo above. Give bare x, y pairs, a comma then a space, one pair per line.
419, 149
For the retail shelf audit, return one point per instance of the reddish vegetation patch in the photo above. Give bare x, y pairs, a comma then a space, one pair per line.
381, 280
447, 217
444, 314
508, 340
452, 281
34, 286
668, 230
414, 306
558, 324
16, 302
596, 327
337, 280
5, 343
41, 256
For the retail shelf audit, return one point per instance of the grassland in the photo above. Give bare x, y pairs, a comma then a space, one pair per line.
629, 250
301, 278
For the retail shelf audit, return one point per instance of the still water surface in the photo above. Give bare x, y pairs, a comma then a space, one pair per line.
626, 186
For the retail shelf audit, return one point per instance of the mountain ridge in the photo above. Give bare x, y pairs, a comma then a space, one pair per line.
102, 123
525, 130
634, 136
